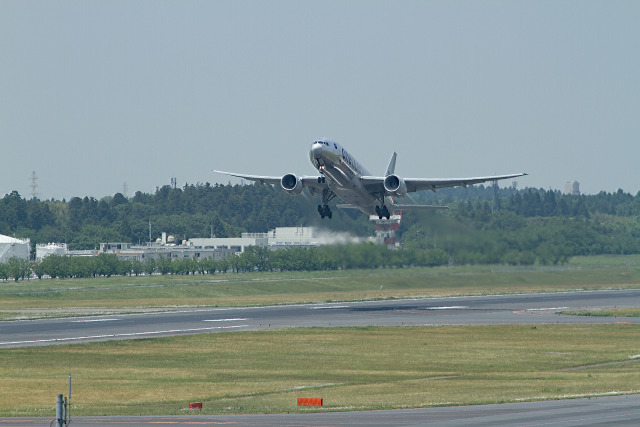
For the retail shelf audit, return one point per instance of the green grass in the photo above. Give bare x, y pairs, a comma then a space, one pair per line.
42, 298
350, 368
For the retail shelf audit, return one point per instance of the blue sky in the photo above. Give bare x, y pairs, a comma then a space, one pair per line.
94, 95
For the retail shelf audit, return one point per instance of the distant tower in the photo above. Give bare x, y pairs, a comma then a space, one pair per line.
125, 190
386, 228
174, 183
34, 178
572, 188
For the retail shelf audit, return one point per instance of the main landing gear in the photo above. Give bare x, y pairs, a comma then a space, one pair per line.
324, 210
383, 212
327, 196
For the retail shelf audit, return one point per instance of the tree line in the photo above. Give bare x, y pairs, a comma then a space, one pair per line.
483, 224
343, 257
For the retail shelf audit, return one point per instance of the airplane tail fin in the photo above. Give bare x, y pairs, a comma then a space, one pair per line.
392, 164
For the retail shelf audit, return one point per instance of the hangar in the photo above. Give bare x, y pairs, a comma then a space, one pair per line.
11, 247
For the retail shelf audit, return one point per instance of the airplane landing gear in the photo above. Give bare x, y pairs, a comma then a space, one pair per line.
324, 210
383, 212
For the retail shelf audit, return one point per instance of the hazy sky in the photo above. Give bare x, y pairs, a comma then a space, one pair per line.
95, 94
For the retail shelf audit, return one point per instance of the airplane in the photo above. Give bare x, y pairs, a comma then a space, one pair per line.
341, 176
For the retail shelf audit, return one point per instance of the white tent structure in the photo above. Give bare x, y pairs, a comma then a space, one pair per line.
11, 247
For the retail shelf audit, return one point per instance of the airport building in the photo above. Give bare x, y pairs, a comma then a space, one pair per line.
10, 247
45, 249
199, 248
129, 251
280, 237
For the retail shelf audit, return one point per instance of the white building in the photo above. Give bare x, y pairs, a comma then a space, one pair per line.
11, 247
572, 188
235, 244
45, 249
129, 251
279, 238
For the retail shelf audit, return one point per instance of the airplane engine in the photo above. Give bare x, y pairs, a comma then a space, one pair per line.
395, 186
291, 184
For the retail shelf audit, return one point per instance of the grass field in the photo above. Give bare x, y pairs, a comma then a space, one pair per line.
350, 368
43, 298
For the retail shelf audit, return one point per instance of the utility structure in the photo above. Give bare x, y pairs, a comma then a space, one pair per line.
34, 185
386, 228
63, 409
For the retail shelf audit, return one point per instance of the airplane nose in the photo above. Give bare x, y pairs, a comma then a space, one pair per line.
316, 150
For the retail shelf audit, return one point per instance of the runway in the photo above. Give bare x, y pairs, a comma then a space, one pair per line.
470, 310
539, 308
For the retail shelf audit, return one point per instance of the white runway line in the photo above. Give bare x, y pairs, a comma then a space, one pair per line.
131, 334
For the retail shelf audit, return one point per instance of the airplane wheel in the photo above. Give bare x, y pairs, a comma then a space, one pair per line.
385, 212
326, 211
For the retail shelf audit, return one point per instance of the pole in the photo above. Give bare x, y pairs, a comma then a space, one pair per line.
68, 417
59, 411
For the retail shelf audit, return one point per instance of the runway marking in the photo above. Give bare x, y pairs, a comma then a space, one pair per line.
130, 334
453, 307
93, 320
224, 320
329, 307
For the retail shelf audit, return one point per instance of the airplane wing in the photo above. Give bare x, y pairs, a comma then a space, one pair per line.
312, 182
376, 183
419, 207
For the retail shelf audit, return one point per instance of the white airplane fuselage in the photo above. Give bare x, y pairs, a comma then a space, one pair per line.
342, 174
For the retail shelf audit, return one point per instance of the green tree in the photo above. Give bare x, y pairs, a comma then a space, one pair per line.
4, 272
18, 268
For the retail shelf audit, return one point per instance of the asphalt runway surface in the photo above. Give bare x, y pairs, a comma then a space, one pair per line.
539, 308
467, 310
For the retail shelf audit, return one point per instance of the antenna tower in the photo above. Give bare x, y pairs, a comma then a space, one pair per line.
174, 183
34, 178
